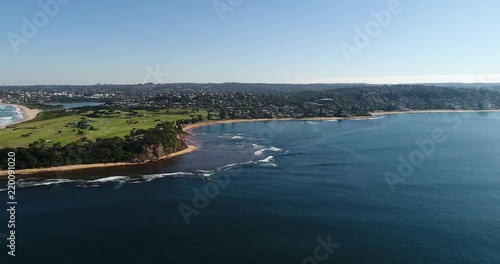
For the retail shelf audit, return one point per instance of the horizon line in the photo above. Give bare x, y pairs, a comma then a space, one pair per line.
271, 83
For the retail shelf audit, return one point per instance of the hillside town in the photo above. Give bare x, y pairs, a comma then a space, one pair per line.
246, 101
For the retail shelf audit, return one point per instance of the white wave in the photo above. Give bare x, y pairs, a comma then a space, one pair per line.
312, 123
233, 165
151, 177
267, 160
202, 173
99, 182
205, 173
181, 173
260, 152
257, 146
239, 136
268, 164
368, 118
27, 183
111, 179
87, 186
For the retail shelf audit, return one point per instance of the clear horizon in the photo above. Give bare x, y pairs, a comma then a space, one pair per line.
466, 79
74, 42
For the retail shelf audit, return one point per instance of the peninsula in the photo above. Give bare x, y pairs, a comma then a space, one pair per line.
129, 129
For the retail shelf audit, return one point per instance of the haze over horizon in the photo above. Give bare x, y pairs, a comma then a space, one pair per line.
121, 42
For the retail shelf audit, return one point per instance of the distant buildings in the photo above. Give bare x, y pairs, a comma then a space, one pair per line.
244, 101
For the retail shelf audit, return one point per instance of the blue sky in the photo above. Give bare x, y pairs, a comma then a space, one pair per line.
279, 41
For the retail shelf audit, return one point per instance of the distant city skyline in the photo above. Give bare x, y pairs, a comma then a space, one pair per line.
283, 41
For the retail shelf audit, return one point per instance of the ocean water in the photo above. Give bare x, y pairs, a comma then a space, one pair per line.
9, 114
397, 189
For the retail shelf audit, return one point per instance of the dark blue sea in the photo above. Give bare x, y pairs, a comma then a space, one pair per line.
413, 188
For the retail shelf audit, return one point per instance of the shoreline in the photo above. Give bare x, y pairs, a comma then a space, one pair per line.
190, 127
431, 112
28, 114
192, 147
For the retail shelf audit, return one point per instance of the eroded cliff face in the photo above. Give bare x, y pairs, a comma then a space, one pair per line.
156, 151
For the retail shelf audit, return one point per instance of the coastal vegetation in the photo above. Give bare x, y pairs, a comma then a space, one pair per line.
66, 126
139, 145
72, 137
109, 132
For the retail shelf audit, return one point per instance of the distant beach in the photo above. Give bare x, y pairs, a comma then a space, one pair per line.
190, 127
28, 114
431, 111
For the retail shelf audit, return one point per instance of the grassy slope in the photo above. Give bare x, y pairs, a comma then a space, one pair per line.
108, 126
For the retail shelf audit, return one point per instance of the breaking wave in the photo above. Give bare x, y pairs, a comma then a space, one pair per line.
273, 149
267, 162
368, 118
119, 181
10, 114
111, 179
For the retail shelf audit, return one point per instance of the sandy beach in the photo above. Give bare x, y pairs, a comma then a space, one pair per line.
188, 129
431, 112
28, 114
190, 148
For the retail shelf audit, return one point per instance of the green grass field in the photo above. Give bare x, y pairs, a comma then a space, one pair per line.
64, 131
